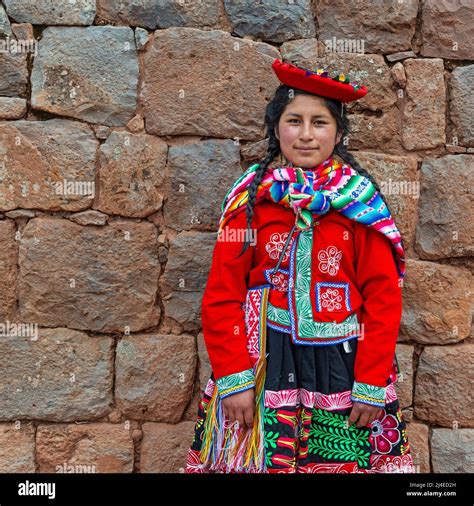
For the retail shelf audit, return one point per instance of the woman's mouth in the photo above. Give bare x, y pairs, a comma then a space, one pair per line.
306, 149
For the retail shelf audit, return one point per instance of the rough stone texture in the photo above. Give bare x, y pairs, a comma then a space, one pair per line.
20, 213
448, 29
199, 175
407, 414
445, 316
228, 91
59, 375
14, 74
398, 74
190, 414
12, 108
158, 126
385, 27
204, 366
85, 448
8, 270
253, 152
94, 80
273, 20
369, 131
443, 386
47, 165
203, 14
445, 228
45, 12
367, 69
23, 31
97, 278
101, 131
17, 447
131, 174
185, 276
397, 177
136, 124
452, 451
89, 218
461, 104
141, 38
155, 376
404, 384
418, 436
400, 56
5, 28
424, 105
165, 447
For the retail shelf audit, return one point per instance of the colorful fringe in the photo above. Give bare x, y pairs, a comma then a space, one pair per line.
313, 192
231, 448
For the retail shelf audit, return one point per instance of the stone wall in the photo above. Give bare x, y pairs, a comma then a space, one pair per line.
123, 125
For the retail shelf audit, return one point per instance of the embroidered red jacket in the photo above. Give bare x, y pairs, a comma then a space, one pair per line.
351, 277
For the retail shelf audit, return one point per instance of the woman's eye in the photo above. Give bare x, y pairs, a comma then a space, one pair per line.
318, 122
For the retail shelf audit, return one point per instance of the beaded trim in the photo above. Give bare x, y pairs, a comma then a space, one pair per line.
237, 382
368, 394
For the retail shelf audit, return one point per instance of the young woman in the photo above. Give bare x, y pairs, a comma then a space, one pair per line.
303, 303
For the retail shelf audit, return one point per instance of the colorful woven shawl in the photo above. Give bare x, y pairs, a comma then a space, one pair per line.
313, 192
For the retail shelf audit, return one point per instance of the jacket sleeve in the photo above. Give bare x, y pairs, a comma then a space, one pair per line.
222, 315
378, 282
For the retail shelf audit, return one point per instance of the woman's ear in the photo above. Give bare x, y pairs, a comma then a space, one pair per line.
277, 134
338, 137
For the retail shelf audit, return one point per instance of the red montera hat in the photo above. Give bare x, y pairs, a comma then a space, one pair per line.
319, 82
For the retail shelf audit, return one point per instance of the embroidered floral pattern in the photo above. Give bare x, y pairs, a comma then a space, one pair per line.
274, 246
332, 296
385, 433
279, 280
233, 383
329, 260
392, 463
368, 394
331, 300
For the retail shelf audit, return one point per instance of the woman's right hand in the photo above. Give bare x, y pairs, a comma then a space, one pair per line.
240, 407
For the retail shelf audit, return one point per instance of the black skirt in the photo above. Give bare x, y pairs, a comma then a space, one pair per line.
324, 369
307, 404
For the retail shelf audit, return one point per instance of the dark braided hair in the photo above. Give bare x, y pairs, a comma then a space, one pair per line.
283, 96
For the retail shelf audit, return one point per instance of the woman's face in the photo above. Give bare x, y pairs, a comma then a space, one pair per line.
307, 123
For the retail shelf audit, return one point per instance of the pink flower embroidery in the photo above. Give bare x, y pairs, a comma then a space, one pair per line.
331, 299
274, 246
384, 434
329, 260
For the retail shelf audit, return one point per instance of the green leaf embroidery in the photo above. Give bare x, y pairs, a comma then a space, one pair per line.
271, 439
270, 416
329, 418
332, 439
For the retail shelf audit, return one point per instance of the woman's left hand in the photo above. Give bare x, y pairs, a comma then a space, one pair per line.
363, 414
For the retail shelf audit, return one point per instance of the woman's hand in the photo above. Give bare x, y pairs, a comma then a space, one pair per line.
363, 414
240, 407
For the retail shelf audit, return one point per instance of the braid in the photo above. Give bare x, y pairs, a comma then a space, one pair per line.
273, 151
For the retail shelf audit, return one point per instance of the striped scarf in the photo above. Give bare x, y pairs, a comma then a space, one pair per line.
313, 192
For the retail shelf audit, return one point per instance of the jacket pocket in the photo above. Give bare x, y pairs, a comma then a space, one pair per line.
332, 297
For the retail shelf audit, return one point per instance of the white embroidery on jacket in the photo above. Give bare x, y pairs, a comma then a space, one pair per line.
331, 299
274, 246
329, 260
279, 280
332, 296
